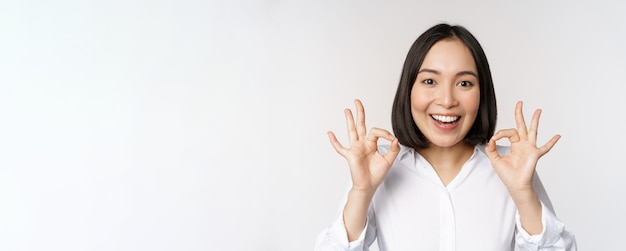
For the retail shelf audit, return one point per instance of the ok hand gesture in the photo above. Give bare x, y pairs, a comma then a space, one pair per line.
516, 169
367, 166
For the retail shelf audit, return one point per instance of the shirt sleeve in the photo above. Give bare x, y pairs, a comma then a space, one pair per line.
553, 237
335, 236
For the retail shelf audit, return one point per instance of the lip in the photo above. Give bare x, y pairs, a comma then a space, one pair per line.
445, 126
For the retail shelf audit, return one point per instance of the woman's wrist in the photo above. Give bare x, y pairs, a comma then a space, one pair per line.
530, 211
361, 195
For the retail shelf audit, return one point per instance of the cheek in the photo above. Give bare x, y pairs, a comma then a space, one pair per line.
419, 100
472, 102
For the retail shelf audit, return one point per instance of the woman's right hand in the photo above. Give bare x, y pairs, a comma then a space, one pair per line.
367, 166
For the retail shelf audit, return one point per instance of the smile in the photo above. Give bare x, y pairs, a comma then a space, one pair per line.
445, 119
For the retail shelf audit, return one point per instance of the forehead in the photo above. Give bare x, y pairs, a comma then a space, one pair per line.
449, 55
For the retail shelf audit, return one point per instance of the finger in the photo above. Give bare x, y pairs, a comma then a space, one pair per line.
360, 118
534, 126
511, 134
548, 146
394, 149
519, 120
352, 135
376, 133
490, 149
333, 141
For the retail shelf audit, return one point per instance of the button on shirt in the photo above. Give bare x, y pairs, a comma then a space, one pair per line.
413, 210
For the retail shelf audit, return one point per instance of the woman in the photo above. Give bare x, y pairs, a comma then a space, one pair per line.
442, 183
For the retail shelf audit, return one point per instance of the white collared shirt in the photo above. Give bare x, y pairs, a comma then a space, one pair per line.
413, 210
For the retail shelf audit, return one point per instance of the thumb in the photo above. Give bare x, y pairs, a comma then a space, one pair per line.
394, 149
491, 150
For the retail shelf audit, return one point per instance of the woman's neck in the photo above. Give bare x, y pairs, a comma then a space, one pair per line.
447, 161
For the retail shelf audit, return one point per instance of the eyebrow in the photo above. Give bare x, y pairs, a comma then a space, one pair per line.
458, 74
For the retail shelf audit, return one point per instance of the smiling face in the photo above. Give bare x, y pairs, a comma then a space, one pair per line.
446, 94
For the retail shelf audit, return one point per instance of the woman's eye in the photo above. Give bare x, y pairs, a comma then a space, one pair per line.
428, 81
465, 84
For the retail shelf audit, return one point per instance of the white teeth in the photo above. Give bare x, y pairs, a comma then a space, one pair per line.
445, 119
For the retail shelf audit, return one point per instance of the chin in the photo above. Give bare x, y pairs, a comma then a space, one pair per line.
445, 143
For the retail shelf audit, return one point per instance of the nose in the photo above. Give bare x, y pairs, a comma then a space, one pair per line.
447, 96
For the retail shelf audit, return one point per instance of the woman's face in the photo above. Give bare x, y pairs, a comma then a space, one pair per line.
446, 95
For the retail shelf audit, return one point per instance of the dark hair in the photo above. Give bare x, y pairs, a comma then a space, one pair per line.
404, 126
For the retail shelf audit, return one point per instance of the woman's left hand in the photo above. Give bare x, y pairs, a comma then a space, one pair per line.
516, 169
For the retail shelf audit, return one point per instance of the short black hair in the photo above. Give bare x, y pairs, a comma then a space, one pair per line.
404, 126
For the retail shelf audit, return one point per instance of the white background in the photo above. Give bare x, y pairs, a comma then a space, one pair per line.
195, 125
